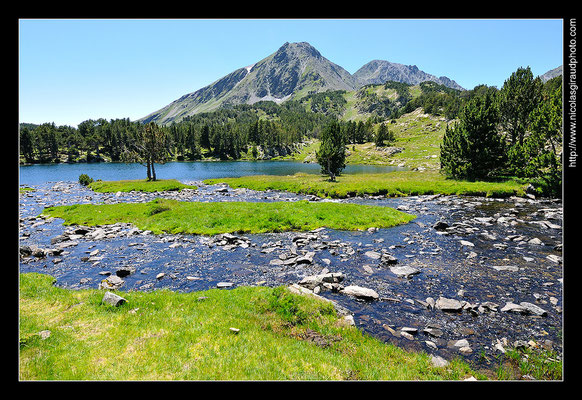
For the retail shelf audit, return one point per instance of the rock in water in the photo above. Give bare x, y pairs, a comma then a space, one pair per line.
404, 271
445, 304
358, 291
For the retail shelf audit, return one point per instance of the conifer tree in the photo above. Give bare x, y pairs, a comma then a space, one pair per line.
473, 148
331, 155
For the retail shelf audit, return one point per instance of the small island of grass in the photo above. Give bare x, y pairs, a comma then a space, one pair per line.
393, 184
139, 185
171, 216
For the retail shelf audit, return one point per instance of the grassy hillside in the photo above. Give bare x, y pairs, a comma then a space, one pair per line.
417, 145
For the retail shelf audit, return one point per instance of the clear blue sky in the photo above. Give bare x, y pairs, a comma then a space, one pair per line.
72, 70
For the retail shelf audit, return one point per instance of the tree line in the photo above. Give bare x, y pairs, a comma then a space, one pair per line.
513, 131
224, 134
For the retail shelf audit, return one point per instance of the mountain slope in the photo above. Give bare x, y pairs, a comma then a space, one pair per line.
294, 70
380, 71
551, 74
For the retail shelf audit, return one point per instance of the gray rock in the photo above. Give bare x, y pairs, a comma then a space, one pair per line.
360, 292
313, 281
388, 259
461, 343
511, 268
515, 308
223, 285
306, 259
404, 271
439, 362
373, 254
450, 305
433, 331
533, 309
113, 299
112, 282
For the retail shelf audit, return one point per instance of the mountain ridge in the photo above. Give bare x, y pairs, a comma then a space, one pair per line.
293, 71
380, 71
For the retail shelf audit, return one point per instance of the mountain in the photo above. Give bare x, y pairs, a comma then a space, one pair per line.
293, 71
380, 71
551, 74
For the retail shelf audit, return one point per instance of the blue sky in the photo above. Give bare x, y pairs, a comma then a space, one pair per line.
72, 70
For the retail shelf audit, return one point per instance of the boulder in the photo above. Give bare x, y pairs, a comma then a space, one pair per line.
113, 299
438, 361
450, 305
440, 226
404, 271
533, 309
360, 292
313, 281
112, 282
122, 272
373, 254
388, 259
515, 308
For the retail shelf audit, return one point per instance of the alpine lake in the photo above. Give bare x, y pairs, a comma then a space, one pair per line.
469, 277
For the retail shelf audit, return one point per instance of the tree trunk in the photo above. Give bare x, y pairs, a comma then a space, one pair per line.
149, 170
331, 174
153, 171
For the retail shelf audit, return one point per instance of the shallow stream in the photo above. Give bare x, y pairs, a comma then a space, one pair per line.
494, 250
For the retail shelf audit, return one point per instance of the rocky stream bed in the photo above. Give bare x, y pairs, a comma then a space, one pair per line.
469, 277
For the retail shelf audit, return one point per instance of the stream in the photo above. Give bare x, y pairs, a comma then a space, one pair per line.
484, 256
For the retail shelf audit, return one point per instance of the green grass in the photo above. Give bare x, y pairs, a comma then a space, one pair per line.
397, 183
172, 216
25, 189
140, 185
418, 134
164, 335
539, 364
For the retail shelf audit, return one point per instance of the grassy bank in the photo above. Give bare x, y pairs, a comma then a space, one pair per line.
163, 335
397, 183
140, 185
172, 216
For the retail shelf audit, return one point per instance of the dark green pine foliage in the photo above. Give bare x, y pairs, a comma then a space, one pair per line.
473, 148
331, 155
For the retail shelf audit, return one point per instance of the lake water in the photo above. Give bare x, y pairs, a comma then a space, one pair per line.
183, 171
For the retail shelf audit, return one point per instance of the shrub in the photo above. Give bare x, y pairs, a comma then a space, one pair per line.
85, 179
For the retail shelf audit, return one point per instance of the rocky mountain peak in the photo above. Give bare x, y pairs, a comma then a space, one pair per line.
292, 71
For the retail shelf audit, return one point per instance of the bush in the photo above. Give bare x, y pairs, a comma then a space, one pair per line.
85, 180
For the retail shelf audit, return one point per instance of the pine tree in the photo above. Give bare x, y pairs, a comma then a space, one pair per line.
331, 155
473, 148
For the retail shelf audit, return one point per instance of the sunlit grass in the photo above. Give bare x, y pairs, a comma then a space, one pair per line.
164, 335
139, 185
162, 215
396, 183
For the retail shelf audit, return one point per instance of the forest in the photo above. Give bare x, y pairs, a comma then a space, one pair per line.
492, 133
232, 131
